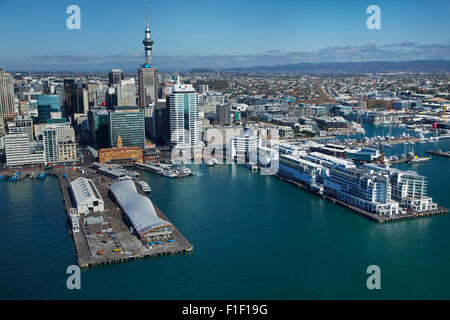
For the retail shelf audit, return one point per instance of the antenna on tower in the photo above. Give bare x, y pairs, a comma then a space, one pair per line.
146, 12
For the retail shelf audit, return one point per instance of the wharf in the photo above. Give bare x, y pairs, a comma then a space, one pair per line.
112, 237
150, 167
439, 153
367, 214
165, 170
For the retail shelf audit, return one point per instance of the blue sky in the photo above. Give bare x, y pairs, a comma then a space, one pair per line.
212, 33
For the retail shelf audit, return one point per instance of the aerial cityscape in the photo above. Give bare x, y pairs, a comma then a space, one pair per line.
196, 181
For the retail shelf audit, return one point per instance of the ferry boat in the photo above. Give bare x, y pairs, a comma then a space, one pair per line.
144, 186
417, 159
169, 174
42, 176
185, 171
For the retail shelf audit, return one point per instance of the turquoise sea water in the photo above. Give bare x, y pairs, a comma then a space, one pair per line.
255, 237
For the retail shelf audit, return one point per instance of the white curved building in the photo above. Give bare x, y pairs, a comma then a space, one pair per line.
139, 210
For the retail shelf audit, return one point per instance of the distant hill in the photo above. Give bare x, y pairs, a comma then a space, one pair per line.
353, 67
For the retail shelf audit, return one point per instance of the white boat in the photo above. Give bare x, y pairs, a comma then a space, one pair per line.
186, 171
251, 166
144, 186
169, 174
210, 162
417, 159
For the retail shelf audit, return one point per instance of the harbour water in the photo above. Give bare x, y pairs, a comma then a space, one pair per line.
254, 237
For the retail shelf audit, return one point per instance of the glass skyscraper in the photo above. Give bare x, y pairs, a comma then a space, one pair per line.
98, 126
129, 124
183, 115
47, 104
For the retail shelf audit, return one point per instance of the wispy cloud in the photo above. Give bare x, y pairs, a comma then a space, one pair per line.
399, 51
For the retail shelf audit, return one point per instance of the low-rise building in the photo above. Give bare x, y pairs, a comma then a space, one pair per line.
121, 155
67, 152
86, 196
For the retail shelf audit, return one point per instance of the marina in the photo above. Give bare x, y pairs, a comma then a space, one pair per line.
165, 170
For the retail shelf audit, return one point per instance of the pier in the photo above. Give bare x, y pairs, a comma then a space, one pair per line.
439, 153
165, 170
371, 216
104, 237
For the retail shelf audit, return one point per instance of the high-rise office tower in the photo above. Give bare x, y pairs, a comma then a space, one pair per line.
147, 74
80, 100
77, 98
69, 87
223, 113
115, 76
126, 93
6, 95
161, 120
98, 126
47, 104
129, 124
183, 115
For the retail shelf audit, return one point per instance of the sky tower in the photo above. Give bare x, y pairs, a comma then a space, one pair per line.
148, 42
147, 74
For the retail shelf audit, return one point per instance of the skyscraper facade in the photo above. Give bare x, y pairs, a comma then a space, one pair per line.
47, 104
183, 115
126, 93
223, 113
50, 139
148, 86
6, 95
129, 124
115, 76
98, 126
